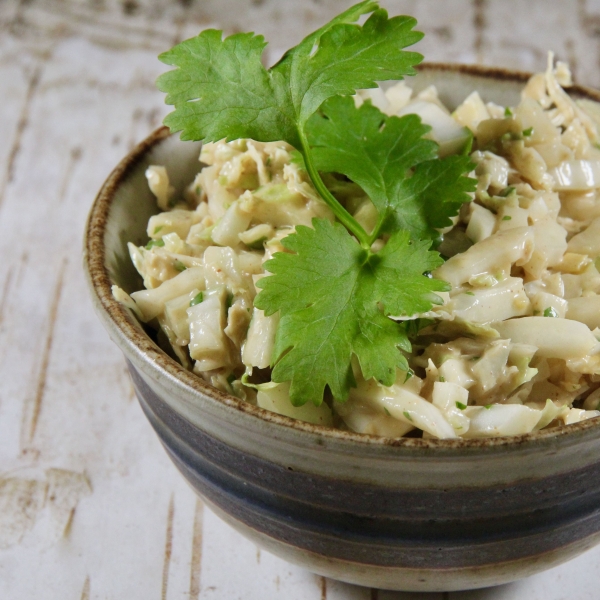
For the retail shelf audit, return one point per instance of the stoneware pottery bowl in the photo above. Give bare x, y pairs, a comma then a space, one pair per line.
403, 514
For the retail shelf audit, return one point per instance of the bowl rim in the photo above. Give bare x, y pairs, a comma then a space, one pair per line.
130, 335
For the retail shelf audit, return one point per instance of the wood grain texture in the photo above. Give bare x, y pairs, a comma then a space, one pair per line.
196, 557
77, 89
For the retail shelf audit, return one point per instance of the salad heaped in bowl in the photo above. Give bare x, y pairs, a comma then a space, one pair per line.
360, 257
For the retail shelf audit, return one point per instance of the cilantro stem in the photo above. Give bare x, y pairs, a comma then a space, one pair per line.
376, 230
343, 216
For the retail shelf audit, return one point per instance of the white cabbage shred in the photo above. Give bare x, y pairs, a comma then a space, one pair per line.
513, 348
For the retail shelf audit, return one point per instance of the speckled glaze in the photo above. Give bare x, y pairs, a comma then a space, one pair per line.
403, 514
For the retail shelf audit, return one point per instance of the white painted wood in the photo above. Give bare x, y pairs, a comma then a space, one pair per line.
116, 520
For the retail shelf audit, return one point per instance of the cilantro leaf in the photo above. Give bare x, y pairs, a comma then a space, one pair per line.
434, 193
345, 57
389, 158
220, 88
334, 299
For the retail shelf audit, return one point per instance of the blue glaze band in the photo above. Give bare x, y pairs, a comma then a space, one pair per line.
379, 526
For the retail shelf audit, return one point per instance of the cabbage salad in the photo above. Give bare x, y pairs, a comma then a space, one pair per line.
496, 325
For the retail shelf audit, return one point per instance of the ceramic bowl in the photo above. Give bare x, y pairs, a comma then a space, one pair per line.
403, 514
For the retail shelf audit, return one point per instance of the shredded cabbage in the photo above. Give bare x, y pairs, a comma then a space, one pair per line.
513, 348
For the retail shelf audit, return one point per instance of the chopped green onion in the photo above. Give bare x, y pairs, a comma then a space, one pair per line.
153, 243
199, 297
528, 132
179, 266
198, 190
550, 312
506, 218
509, 136
257, 244
507, 191
508, 112
157, 229
460, 405
407, 415
488, 406
442, 378
468, 145
469, 293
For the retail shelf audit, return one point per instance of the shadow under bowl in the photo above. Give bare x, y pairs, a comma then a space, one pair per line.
403, 514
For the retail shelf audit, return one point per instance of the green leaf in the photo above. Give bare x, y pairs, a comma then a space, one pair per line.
343, 57
334, 298
220, 89
389, 158
431, 196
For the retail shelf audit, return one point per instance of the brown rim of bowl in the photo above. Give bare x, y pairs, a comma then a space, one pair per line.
141, 344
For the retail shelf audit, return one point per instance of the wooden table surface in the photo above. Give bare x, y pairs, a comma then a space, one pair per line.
90, 506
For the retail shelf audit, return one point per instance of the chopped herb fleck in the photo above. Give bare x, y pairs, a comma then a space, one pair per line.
469, 293
199, 297
507, 191
468, 147
528, 132
506, 218
407, 415
157, 229
550, 312
460, 405
508, 112
268, 161
409, 374
509, 136
198, 190
257, 244
179, 266
442, 378
153, 243
488, 406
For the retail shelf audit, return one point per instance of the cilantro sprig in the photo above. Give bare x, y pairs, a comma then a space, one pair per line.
330, 292
333, 292
221, 89
394, 164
